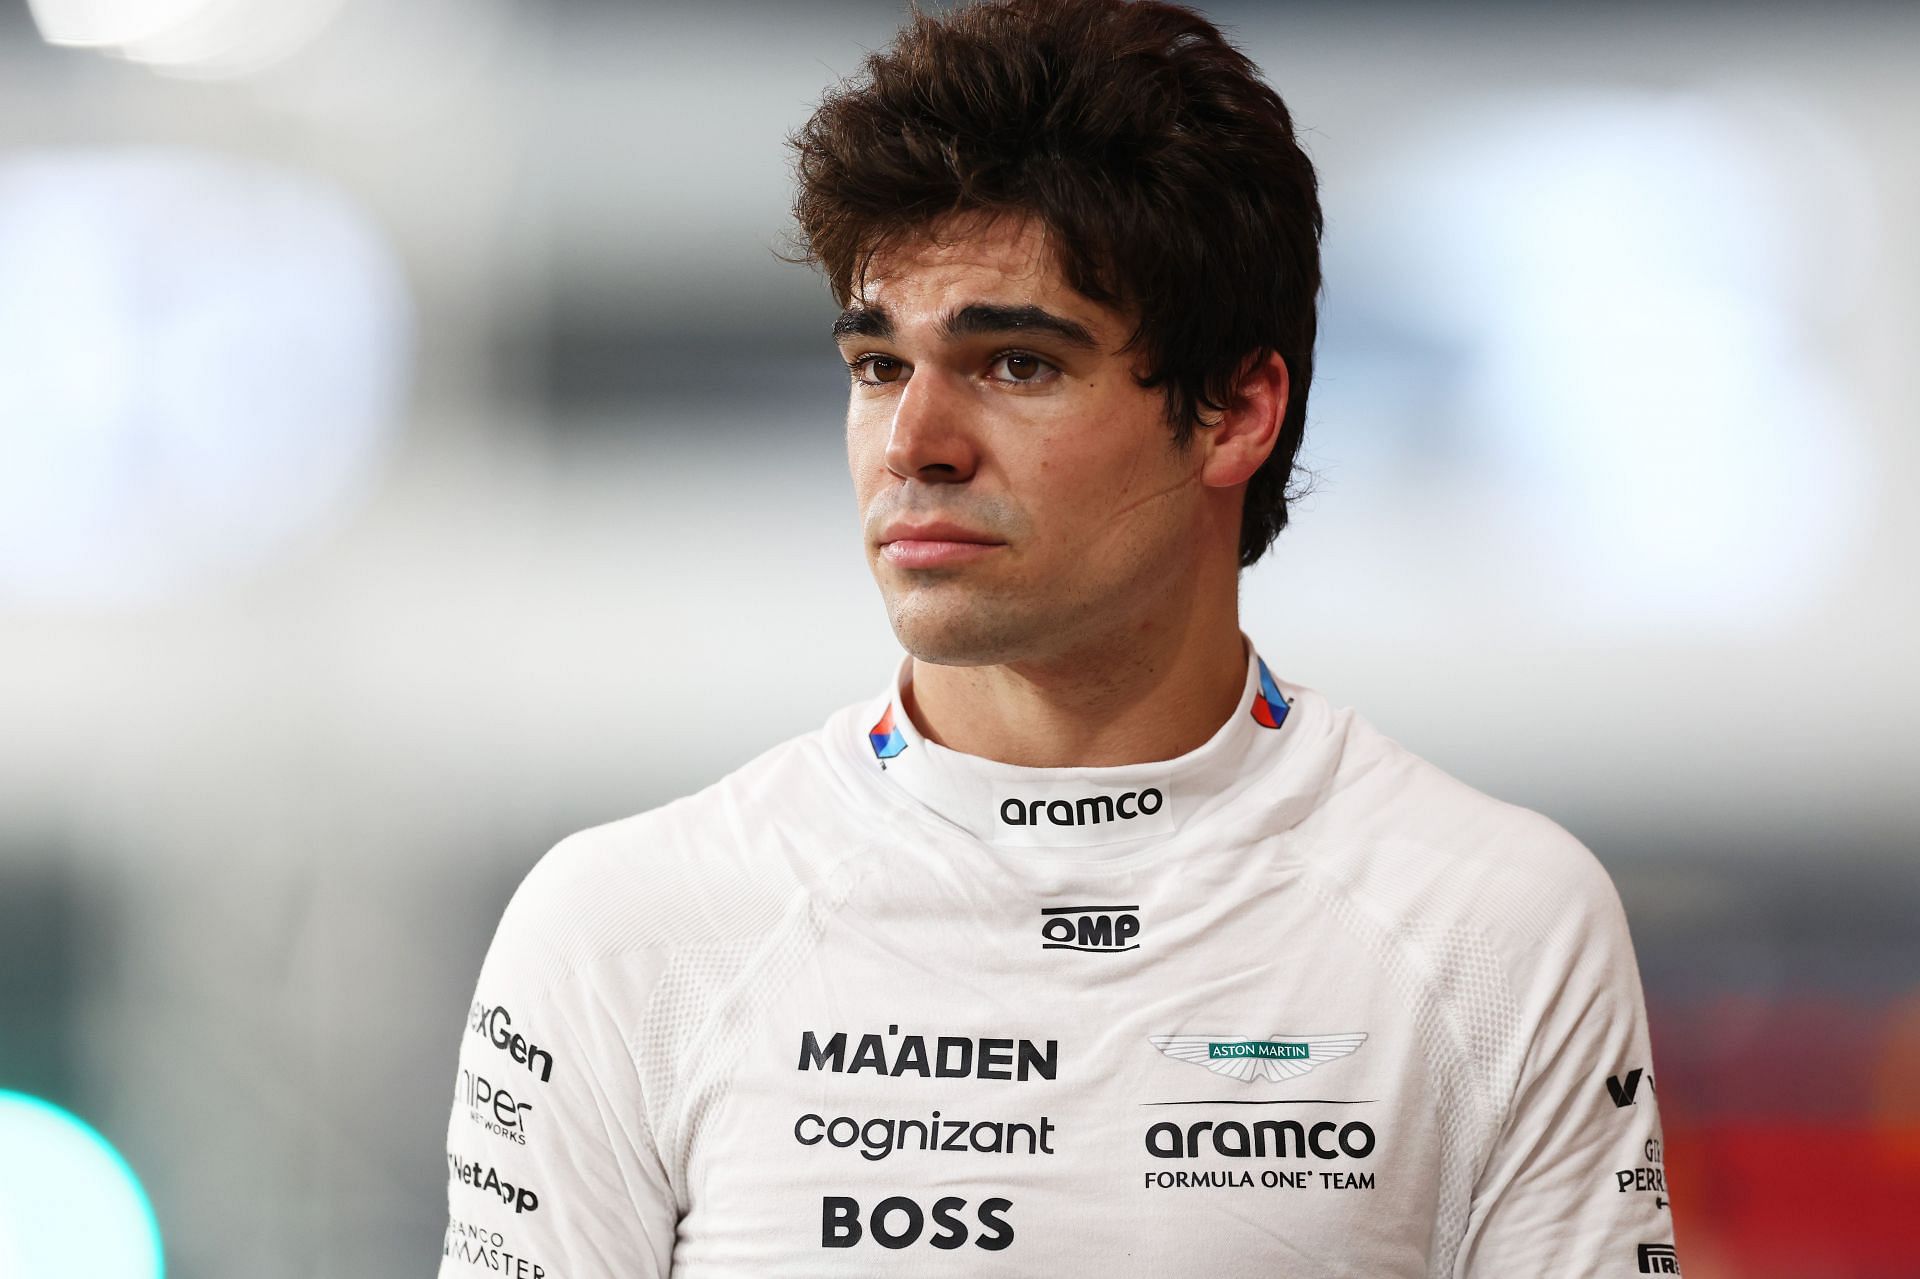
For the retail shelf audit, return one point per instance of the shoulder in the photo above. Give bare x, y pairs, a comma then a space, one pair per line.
719, 865
1424, 849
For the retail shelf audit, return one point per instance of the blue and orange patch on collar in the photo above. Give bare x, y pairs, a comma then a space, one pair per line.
886, 739
1269, 707
1269, 711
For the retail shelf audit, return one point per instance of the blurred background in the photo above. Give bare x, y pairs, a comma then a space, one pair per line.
412, 451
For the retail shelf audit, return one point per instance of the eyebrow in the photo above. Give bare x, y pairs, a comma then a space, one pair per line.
972, 320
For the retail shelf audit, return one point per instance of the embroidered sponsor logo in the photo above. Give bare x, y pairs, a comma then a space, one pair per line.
495, 1025
1658, 1259
484, 1177
1274, 1058
1086, 810
899, 1221
941, 1057
1097, 928
1649, 1177
493, 1108
1261, 1139
879, 1137
1078, 813
488, 1250
885, 738
1270, 705
1623, 1091
1274, 1048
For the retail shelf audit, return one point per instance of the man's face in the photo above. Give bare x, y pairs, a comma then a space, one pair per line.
989, 397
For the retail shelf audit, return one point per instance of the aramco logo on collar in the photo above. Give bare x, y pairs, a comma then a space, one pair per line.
886, 739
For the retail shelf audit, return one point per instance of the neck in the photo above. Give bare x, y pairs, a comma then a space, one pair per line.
1150, 691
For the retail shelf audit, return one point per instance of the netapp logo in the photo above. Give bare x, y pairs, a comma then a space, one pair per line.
1658, 1259
495, 1025
482, 1177
952, 1057
1089, 810
1089, 928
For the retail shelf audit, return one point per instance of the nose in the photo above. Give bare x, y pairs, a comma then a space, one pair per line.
930, 438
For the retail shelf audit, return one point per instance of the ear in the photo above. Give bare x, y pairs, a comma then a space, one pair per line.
1240, 437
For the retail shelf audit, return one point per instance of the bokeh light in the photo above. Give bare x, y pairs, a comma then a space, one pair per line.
70, 1207
203, 38
199, 360
1601, 306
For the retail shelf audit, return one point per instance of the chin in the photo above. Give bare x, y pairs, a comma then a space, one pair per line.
962, 633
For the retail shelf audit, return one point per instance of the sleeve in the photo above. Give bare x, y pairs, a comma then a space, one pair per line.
552, 1171
1575, 1184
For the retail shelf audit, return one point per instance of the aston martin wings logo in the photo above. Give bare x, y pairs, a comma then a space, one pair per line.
1274, 1058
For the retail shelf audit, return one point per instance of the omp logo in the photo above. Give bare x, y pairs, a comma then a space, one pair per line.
1623, 1093
1089, 928
1088, 810
1274, 1058
1658, 1259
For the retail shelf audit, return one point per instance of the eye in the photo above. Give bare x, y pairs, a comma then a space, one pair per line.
1023, 367
878, 370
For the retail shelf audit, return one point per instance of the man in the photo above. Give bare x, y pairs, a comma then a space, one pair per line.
1089, 945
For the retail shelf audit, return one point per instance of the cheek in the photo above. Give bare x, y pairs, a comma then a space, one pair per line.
1114, 502
1094, 474
1069, 496
866, 451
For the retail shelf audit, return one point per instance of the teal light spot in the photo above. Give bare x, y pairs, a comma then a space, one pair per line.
70, 1207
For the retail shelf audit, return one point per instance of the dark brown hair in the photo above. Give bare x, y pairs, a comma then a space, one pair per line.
1163, 167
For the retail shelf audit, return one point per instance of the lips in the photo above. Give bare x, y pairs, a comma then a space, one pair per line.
937, 544
937, 531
